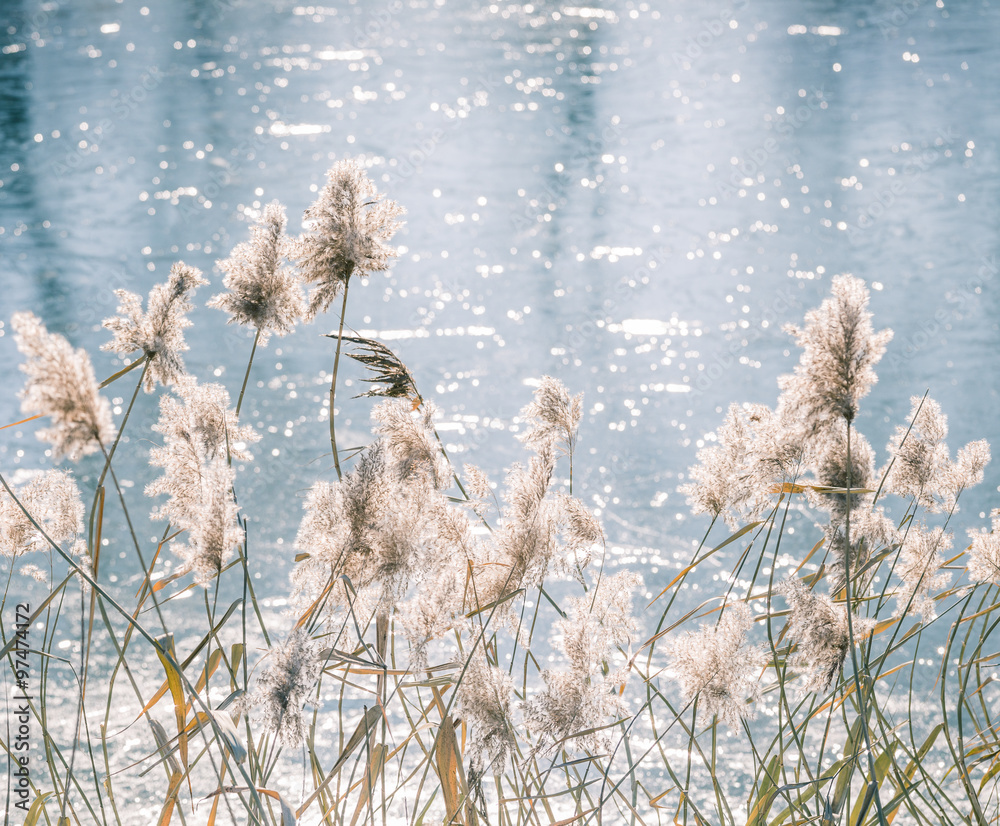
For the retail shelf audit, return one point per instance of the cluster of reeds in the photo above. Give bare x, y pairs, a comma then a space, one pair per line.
406, 683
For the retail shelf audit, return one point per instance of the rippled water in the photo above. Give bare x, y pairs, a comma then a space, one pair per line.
633, 197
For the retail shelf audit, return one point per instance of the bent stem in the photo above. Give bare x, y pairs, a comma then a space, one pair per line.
110, 454
333, 381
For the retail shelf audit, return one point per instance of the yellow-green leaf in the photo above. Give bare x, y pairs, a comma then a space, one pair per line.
446, 758
37, 807
365, 725
168, 656
372, 773
766, 793
167, 812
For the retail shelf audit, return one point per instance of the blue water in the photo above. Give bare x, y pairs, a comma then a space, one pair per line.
633, 197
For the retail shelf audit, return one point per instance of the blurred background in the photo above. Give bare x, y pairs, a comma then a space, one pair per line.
630, 196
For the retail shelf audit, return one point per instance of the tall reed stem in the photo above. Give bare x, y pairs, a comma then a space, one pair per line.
862, 697
246, 376
333, 381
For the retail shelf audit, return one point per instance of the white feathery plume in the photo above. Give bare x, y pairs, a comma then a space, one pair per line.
598, 623
484, 699
874, 527
446, 588
525, 541
586, 695
210, 523
967, 470
61, 385
839, 351
552, 416
159, 332
375, 527
719, 667
400, 545
477, 483
984, 552
279, 694
736, 476
830, 466
197, 427
819, 627
410, 441
435, 609
348, 229
581, 531
920, 456
262, 293
340, 518
871, 531
922, 467
919, 568
198, 420
526, 546
53, 500
719, 480
35, 573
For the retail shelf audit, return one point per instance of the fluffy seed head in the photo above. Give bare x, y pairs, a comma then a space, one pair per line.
719, 667
553, 416
197, 428
984, 552
159, 332
53, 501
210, 524
919, 568
586, 694
61, 385
484, 700
280, 692
819, 627
375, 527
262, 293
736, 475
349, 227
839, 351
922, 467
410, 442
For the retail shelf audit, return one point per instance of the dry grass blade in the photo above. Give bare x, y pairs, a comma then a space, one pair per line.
163, 746
167, 812
573, 819
447, 756
37, 809
23, 421
791, 487
365, 726
166, 644
685, 571
223, 723
188, 660
288, 817
388, 370
372, 773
